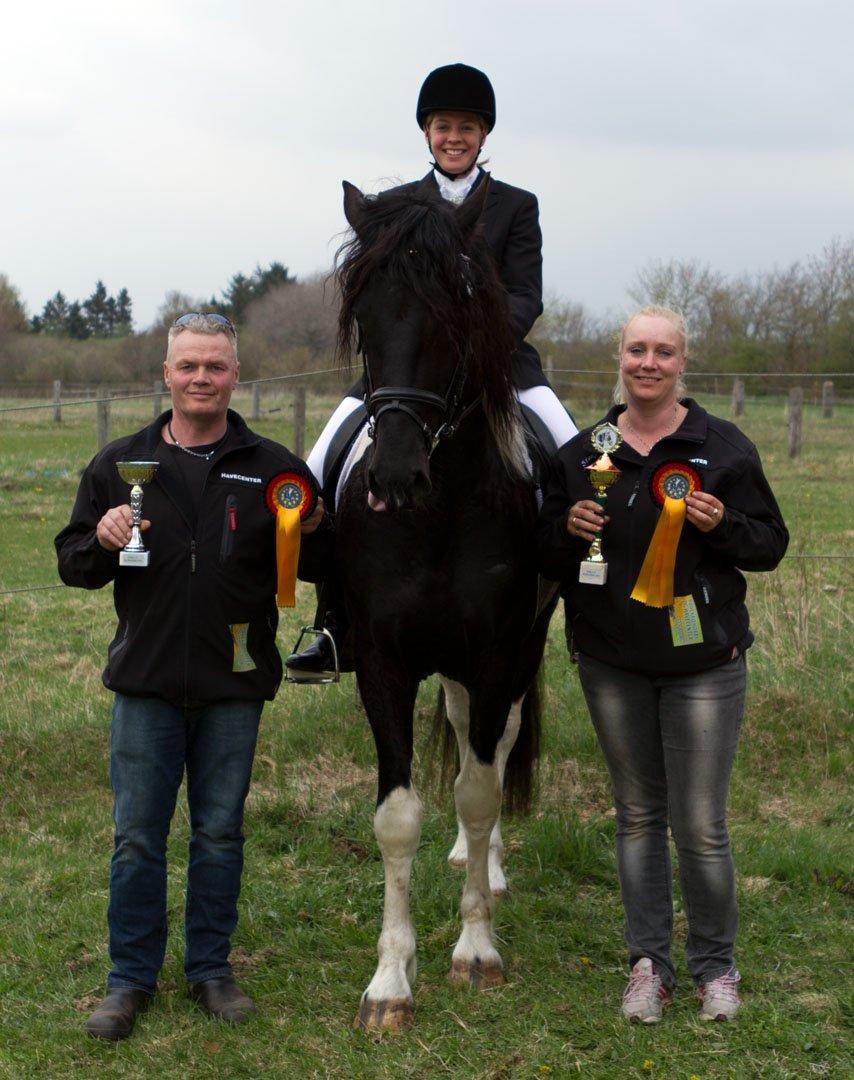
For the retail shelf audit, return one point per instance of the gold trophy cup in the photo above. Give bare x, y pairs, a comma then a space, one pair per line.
601, 474
135, 473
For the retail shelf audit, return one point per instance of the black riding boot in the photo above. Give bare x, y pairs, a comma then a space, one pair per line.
318, 660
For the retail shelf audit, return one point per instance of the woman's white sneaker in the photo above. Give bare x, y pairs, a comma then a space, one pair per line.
646, 996
719, 997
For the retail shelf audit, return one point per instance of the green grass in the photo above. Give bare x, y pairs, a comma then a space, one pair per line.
311, 905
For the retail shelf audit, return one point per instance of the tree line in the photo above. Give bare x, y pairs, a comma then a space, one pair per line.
798, 318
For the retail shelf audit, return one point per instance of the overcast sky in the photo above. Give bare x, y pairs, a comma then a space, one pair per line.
169, 145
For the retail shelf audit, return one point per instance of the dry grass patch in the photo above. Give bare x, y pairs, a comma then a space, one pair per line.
319, 785
567, 785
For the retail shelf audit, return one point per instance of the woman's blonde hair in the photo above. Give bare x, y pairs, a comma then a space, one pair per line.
657, 311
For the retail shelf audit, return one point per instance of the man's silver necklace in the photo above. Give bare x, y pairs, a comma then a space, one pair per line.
645, 442
206, 456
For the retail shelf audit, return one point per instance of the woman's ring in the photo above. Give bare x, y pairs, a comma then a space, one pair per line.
715, 511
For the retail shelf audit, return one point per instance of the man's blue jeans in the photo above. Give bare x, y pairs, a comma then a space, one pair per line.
153, 742
669, 743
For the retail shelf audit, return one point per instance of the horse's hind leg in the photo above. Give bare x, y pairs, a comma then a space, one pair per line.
457, 707
457, 704
387, 1001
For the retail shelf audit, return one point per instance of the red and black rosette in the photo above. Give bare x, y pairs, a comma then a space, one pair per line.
674, 480
292, 491
671, 484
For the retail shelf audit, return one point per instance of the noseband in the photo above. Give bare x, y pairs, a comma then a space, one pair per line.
400, 398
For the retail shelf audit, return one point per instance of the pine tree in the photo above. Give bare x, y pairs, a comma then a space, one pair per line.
77, 323
124, 318
97, 311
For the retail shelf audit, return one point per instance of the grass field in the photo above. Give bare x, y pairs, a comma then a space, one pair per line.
311, 905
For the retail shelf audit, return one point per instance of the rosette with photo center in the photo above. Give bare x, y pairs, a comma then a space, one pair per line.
292, 491
674, 480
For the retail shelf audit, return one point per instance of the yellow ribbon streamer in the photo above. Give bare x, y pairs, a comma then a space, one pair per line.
287, 555
654, 586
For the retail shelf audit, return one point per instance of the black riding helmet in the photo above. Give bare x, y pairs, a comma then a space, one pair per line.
456, 88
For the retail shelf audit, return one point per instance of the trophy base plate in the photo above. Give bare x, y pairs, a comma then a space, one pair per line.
133, 558
593, 573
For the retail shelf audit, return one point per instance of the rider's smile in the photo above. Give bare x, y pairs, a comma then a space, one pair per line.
455, 139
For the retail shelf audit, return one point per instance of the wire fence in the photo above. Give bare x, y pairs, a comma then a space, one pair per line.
102, 399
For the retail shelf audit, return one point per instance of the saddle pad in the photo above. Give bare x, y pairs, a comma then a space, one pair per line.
354, 455
363, 441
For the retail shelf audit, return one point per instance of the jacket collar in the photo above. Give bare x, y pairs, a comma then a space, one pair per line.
492, 195
239, 435
693, 429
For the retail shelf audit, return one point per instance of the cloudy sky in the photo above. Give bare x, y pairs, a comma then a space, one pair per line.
168, 145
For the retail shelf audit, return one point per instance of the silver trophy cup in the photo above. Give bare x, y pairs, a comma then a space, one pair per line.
135, 473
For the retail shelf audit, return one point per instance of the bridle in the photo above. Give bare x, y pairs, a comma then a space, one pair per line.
398, 398
386, 399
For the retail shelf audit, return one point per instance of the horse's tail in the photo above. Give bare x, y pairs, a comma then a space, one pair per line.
521, 765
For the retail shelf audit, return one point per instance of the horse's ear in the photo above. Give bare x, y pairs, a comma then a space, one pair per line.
354, 206
469, 212
427, 186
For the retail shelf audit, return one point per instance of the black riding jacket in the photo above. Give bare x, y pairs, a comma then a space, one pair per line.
176, 635
602, 619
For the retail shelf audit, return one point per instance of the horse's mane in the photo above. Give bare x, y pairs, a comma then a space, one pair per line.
413, 237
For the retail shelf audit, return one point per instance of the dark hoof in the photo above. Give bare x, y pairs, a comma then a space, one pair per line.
114, 1018
384, 1015
477, 973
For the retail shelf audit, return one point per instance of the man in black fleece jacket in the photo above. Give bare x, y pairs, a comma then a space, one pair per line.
193, 659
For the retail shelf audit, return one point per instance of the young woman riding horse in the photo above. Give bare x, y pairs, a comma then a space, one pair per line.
456, 112
435, 546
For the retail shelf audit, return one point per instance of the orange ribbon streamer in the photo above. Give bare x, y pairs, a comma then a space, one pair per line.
654, 586
287, 555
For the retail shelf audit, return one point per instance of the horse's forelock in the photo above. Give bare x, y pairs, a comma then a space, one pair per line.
413, 237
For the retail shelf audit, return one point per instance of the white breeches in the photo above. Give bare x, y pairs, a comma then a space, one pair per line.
541, 399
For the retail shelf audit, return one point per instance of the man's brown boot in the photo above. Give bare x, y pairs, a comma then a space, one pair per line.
223, 999
115, 1016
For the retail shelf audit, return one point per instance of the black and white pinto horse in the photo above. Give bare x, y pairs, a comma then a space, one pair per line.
436, 551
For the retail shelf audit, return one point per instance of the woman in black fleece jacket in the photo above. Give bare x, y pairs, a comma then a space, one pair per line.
661, 646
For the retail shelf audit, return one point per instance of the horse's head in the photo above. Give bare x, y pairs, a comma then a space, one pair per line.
421, 296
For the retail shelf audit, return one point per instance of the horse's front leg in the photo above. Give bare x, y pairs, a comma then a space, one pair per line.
389, 702
457, 705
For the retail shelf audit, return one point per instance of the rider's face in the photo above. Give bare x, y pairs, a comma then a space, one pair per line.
455, 139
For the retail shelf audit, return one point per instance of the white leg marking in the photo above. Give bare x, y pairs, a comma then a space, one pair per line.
457, 704
478, 797
387, 1002
497, 881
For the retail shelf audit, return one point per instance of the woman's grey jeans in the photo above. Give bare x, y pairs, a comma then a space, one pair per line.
669, 743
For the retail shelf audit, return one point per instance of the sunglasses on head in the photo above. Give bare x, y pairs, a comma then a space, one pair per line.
221, 320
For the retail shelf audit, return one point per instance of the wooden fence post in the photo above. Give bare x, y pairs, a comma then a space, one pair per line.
738, 398
827, 399
550, 367
256, 402
103, 413
57, 394
796, 410
299, 421
157, 399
